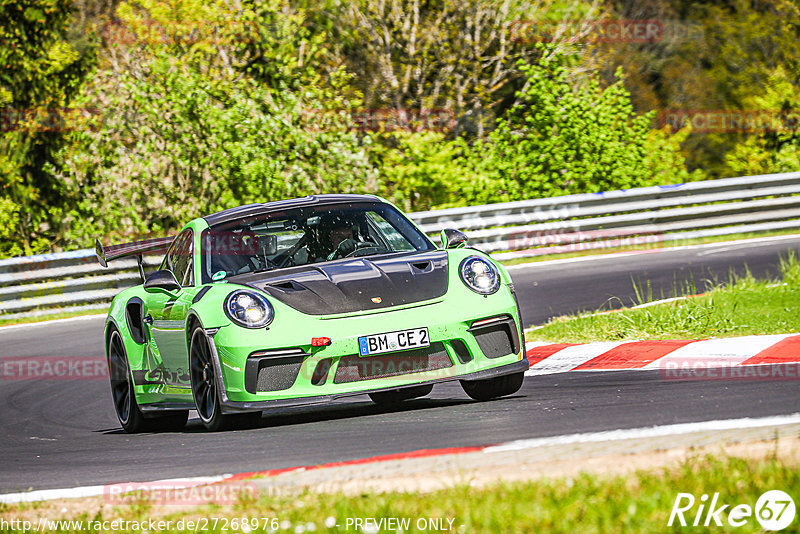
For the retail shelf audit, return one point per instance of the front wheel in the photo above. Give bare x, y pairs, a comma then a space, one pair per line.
399, 395
205, 391
492, 388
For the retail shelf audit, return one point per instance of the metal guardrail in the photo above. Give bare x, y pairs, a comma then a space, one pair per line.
73, 281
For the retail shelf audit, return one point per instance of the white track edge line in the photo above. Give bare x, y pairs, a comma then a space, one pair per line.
53, 321
96, 491
647, 432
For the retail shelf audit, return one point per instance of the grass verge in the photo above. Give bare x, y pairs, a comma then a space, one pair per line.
743, 306
641, 502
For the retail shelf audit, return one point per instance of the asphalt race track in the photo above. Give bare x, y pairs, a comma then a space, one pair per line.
62, 433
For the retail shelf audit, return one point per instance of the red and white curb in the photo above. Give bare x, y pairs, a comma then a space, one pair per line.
549, 358
517, 445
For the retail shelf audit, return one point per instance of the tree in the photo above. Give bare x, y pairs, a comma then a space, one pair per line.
774, 146
41, 72
559, 139
189, 129
443, 54
711, 56
420, 170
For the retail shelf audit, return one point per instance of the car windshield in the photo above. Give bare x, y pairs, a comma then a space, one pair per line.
307, 235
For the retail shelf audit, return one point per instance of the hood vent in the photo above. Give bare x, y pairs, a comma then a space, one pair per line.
287, 285
356, 284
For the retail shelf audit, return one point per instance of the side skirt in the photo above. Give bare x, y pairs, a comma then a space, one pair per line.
158, 408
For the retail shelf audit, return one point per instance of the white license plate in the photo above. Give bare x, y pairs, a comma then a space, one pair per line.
394, 341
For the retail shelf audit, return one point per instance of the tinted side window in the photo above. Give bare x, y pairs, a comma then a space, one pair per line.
179, 259
390, 233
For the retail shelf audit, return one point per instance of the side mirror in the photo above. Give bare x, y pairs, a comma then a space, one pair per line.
453, 238
162, 281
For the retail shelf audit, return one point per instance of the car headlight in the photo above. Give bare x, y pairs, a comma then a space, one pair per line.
248, 309
479, 275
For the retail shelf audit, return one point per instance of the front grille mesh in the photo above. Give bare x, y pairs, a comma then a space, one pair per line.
354, 368
277, 374
495, 341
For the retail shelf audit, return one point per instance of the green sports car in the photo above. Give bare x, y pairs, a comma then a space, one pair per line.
301, 302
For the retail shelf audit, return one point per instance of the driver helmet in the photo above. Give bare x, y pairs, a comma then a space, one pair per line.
333, 228
344, 224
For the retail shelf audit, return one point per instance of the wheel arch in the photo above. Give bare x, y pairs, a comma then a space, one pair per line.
192, 321
111, 325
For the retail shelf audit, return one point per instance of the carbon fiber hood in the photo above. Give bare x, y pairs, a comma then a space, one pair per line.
356, 284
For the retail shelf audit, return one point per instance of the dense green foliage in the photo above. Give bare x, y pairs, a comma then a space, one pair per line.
183, 132
557, 140
41, 72
776, 149
161, 110
713, 56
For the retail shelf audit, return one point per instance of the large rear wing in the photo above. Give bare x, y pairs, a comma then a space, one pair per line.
136, 248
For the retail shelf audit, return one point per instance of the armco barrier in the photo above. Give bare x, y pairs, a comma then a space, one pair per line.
71, 281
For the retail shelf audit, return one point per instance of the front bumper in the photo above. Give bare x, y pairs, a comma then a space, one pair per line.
455, 354
229, 406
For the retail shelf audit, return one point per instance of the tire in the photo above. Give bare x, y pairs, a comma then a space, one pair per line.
205, 391
394, 396
122, 394
492, 388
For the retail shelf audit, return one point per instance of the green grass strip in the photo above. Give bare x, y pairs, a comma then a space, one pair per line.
742, 306
640, 502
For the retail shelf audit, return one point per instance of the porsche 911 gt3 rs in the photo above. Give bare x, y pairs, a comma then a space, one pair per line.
304, 301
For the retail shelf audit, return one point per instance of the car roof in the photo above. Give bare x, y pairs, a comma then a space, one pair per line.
248, 210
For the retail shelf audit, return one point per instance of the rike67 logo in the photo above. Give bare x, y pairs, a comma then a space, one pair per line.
774, 510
